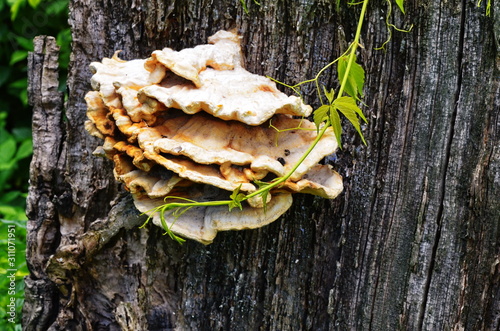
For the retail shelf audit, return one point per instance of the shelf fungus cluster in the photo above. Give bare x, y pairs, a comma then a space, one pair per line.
194, 124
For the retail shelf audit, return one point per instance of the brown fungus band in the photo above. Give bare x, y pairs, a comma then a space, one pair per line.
195, 124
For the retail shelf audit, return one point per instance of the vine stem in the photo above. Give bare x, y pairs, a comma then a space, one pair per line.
354, 45
290, 173
352, 54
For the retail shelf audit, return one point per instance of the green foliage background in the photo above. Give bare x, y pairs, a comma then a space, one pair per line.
22, 20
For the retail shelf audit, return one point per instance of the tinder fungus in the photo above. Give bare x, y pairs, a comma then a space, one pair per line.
194, 124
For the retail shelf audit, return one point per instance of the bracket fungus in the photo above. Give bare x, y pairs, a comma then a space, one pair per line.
194, 124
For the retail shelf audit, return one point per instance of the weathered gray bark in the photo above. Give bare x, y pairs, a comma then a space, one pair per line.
413, 242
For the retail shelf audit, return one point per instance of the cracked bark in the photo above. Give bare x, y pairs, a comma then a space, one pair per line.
412, 243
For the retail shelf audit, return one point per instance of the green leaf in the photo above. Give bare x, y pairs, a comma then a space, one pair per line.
349, 103
26, 43
320, 115
34, 3
19, 89
10, 212
21, 133
236, 198
17, 56
400, 4
8, 148
14, 7
329, 95
25, 150
23, 96
56, 7
349, 109
337, 128
355, 79
7, 197
19, 84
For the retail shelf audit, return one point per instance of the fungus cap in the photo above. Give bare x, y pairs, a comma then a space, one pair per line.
194, 124
203, 223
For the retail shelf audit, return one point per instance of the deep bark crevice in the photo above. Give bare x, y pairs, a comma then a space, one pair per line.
446, 160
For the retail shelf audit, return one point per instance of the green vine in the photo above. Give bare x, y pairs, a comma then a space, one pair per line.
351, 76
244, 5
488, 6
391, 26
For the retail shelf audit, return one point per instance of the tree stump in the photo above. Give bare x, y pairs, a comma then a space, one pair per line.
413, 242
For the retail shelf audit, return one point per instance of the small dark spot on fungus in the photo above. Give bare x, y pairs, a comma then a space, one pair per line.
281, 160
287, 152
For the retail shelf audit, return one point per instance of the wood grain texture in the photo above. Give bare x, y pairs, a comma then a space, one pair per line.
412, 243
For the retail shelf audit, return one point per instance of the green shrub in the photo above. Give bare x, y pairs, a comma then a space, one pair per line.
22, 20
13, 269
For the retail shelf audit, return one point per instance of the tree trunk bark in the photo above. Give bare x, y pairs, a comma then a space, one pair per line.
412, 243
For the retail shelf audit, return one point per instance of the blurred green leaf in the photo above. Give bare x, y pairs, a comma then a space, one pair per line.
34, 3
15, 5
10, 212
23, 95
21, 133
64, 37
20, 83
19, 89
8, 148
9, 196
57, 7
24, 42
6, 168
18, 56
24, 150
